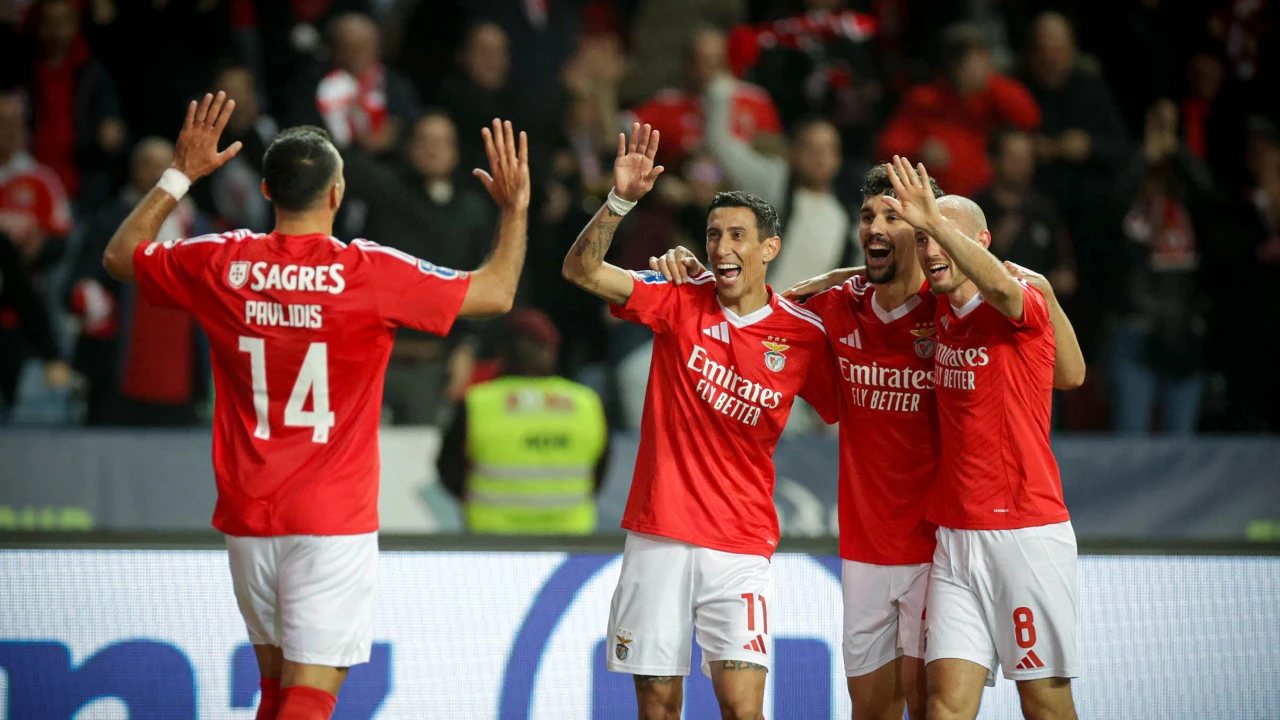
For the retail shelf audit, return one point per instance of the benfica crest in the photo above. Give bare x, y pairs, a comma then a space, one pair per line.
773, 358
237, 275
925, 342
623, 648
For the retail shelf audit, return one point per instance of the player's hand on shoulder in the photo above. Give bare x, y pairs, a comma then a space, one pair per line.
806, 289
677, 265
195, 154
1031, 277
508, 178
914, 202
633, 170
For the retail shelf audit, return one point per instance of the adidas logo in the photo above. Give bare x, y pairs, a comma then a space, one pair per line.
756, 644
1031, 661
719, 332
853, 339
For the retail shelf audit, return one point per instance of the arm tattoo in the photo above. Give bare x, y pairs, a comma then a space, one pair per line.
605, 233
741, 665
653, 679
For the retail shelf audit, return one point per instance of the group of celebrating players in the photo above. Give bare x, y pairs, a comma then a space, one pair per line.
938, 367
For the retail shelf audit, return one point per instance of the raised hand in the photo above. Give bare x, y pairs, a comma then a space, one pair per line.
915, 202
633, 171
196, 152
508, 178
677, 265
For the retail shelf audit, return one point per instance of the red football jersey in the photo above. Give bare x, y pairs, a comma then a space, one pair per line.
889, 436
678, 116
720, 391
300, 329
994, 379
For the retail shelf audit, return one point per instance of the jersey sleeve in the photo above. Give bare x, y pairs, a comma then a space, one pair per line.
846, 295
654, 302
414, 293
1035, 310
169, 272
821, 384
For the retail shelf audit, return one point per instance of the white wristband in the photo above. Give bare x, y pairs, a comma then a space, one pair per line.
617, 205
174, 183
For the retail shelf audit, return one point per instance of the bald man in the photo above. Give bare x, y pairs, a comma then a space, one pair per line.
1002, 586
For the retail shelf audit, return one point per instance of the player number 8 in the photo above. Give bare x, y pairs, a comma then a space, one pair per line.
1024, 629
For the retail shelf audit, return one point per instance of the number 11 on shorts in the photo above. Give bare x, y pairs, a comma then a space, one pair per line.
751, 612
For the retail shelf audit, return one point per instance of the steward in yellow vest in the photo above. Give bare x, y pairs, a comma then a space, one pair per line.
526, 451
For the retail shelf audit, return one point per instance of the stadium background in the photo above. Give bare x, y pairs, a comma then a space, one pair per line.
1154, 207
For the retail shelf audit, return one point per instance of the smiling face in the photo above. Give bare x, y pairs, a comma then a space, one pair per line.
944, 277
736, 252
886, 240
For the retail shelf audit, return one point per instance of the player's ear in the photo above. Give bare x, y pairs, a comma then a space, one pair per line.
984, 238
771, 248
265, 194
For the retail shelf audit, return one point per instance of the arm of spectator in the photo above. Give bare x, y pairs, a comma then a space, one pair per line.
758, 174
633, 176
195, 156
451, 464
1068, 362
1014, 102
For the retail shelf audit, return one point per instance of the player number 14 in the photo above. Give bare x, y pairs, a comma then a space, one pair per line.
313, 380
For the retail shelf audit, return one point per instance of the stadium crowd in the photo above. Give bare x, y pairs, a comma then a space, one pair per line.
1131, 156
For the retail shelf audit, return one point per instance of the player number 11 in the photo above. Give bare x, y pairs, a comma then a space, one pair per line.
751, 612
313, 380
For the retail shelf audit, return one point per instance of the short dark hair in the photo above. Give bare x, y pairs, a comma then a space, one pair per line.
766, 217
958, 40
877, 182
298, 167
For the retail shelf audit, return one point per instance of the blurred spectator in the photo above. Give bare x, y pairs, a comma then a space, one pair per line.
1141, 50
819, 63
818, 231
232, 196
945, 124
677, 114
661, 34
24, 324
1158, 345
477, 91
360, 99
145, 364
77, 130
1082, 138
527, 452
1024, 227
422, 209
34, 211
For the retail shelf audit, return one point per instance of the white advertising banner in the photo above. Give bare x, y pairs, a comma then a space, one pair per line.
155, 634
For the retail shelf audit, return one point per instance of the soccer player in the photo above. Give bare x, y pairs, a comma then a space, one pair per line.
881, 328
729, 357
1002, 589
300, 326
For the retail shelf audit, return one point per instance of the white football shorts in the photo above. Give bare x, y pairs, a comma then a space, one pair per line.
1005, 598
311, 595
668, 589
883, 614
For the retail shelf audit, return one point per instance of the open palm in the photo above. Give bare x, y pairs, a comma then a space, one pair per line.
633, 171
195, 153
915, 202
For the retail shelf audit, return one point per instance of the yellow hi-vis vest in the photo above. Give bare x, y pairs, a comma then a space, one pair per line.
533, 444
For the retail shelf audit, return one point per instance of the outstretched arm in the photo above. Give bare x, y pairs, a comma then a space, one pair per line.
633, 176
195, 155
1068, 360
915, 204
493, 285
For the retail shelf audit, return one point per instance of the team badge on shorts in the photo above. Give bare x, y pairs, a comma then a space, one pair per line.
773, 358
623, 648
237, 274
925, 344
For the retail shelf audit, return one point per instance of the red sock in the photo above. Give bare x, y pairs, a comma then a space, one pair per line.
300, 702
270, 704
